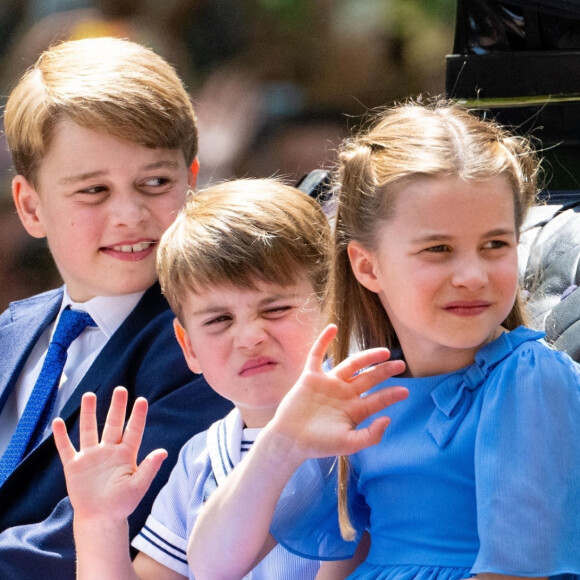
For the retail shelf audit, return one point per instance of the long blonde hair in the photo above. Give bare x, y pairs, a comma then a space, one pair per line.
433, 138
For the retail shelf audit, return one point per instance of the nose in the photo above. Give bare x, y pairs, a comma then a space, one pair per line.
470, 272
129, 208
250, 334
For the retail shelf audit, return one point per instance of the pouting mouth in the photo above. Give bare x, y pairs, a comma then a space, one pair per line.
257, 364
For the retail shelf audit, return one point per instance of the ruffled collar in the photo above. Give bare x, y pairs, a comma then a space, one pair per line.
453, 395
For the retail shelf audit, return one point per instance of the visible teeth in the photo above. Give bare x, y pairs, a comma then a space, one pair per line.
133, 248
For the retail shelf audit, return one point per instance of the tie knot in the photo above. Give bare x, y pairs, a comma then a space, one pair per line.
70, 325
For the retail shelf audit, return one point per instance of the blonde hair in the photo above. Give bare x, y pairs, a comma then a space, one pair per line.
417, 139
242, 232
104, 84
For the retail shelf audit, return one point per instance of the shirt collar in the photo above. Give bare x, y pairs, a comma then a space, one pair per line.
108, 312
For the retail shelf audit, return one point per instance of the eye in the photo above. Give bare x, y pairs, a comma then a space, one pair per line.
218, 320
92, 195
495, 244
438, 249
276, 312
156, 181
155, 184
93, 189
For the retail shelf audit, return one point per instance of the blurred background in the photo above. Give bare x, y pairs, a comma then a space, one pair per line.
276, 83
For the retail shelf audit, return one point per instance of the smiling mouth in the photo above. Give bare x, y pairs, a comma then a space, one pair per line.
467, 309
132, 248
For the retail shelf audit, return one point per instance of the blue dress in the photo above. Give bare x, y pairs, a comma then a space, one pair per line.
479, 471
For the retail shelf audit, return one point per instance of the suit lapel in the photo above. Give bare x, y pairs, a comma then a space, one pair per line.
29, 318
102, 372
118, 348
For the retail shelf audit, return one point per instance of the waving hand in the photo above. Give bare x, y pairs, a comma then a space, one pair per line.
103, 479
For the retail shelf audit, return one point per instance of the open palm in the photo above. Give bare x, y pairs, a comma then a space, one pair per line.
103, 479
322, 411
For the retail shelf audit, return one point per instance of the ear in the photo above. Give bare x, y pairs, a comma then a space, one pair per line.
28, 206
193, 173
363, 264
185, 344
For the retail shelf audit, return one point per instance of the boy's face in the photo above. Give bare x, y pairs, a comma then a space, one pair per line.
251, 345
102, 204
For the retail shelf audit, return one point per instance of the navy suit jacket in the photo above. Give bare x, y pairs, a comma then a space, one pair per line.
36, 539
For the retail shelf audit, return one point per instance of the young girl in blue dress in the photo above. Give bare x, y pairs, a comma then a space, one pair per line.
478, 473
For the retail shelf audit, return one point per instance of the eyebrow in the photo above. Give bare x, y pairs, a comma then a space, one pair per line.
215, 309
442, 237
95, 174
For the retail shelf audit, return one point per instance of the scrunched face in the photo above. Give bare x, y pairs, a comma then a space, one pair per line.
251, 344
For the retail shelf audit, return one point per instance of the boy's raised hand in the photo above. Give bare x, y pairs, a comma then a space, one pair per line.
318, 417
102, 478
321, 412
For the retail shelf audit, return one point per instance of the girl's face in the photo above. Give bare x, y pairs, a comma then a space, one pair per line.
445, 269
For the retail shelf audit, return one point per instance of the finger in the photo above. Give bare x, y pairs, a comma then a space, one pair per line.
136, 424
358, 361
376, 374
319, 348
65, 448
113, 431
369, 436
367, 406
148, 469
88, 422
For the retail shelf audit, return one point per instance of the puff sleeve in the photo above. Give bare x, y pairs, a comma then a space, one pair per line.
527, 466
306, 518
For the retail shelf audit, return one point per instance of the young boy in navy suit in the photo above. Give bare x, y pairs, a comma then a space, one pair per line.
104, 142
244, 267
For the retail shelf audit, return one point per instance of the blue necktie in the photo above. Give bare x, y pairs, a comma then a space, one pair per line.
39, 408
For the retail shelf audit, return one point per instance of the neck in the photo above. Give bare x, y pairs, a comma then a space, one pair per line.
427, 360
256, 418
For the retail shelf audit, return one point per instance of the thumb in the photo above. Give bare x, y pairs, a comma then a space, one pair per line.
319, 348
148, 469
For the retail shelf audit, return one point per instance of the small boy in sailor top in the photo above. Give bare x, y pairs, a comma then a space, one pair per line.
244, 268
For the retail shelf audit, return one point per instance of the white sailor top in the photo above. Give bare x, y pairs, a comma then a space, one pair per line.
204, 463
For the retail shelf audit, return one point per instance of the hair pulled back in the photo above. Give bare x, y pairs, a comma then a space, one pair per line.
431, 138
418, 139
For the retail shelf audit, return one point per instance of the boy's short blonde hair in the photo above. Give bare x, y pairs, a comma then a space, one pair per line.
104, 84
242, 232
